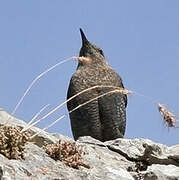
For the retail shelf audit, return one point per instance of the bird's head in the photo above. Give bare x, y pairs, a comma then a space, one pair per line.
91, 51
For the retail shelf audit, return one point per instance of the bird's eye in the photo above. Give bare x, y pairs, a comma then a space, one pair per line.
101, 52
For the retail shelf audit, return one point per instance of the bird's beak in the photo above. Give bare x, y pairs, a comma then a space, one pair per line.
83, 37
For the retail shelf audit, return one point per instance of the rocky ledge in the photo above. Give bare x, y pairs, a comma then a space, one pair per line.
124, 159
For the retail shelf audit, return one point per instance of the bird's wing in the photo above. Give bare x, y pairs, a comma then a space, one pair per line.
112, 109
112, 116
85, 121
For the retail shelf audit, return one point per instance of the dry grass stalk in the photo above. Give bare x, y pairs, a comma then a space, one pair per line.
67, 152
50, 125
36, 79
34, 118
122, 91
119, 90
169, 118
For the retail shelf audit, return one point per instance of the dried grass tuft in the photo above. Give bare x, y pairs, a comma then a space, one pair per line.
67, 152
169, 118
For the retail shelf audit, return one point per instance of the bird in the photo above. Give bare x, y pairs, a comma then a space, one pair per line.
103, 118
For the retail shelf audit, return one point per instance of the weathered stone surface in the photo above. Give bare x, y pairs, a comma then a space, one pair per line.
174, 153
158, 171
124, 159
145, 150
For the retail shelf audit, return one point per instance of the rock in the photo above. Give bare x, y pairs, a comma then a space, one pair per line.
162, 172
145, 150
1, 172
124, 159
174, 153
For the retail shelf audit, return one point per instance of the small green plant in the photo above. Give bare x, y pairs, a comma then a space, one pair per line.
67, 152
12, 141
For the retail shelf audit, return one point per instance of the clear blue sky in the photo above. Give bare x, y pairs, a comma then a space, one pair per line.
140, 40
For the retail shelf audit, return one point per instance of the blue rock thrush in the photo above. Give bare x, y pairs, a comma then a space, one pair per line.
103, 118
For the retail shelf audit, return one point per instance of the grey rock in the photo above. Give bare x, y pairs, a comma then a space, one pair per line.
124, 159
162, 172
145, 150
174, 153
1, 172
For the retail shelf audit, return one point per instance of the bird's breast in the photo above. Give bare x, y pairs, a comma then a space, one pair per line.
91, 77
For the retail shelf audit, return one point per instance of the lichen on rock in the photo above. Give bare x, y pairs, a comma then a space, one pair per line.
12, 141
67, 152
